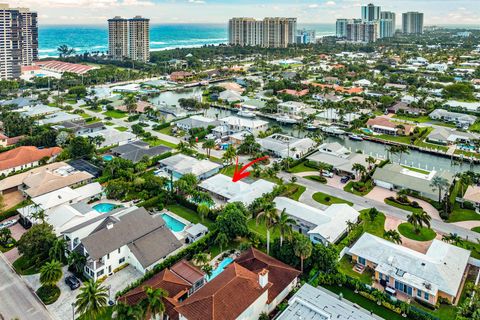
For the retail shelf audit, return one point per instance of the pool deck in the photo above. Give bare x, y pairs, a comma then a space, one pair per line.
180, 235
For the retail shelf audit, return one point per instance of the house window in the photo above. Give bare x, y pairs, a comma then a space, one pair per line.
121, 261
419, 293
361, 261
108, 256
427, 296
99, 273
118, 250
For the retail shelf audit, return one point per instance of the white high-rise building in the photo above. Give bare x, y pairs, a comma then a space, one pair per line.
269, 32
370, 12
362, 31
387, 24
129, 38
18, 40
341, 27
412, 23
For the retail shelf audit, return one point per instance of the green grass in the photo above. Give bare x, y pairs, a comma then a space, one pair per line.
158, 142
406, 229
261, 230
365, 303
115, 114
25, 267
467, 153
327, 199
228, 170
402, 206
419, 119
471, 246
121, 129
107, 315
345, 266
167, 131
302, 168
476, 229
459, 214
298, 193
428, 145
375, 227
318, 179
400, 139
349, 188
189, 215
416, 170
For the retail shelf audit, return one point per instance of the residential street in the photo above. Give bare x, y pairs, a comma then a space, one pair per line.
17, 301
362, 202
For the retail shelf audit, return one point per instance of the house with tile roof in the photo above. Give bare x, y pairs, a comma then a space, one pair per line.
384, 125
25, 157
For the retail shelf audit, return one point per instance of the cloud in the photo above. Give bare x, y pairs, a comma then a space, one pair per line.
330, 3
196, 1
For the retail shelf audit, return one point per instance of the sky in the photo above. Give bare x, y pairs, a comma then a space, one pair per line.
219, 11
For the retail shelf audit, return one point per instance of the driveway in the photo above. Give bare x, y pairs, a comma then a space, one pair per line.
381, 194
17, 300
17, 229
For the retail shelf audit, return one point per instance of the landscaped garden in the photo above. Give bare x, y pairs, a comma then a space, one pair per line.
345, 266
302, 168
327, 199
317, 179
419, 234
359, 188
116, 114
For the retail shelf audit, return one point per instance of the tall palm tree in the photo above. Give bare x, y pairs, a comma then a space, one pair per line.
371, 161
359, 169
401, 149
92, 300
439, 183
452, 238
221, 240
269, 217
284, 225
57, 250
302, 249
126, 312
153, 303
208, 145
418, 219
203, 210
393, 236
201, 258
465, 181
76, 261
51, 273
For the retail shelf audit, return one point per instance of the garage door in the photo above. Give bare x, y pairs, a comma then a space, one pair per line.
384, 184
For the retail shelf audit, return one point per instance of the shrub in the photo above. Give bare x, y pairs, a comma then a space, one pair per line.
319, 179
327, 199
48, 294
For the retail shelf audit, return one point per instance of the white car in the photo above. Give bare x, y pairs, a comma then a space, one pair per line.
8, 224
327, 174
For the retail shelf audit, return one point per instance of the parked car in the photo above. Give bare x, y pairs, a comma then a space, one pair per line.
8, 224
345, 179
72, 282
327, 174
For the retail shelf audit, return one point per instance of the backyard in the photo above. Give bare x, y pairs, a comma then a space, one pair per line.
189, 215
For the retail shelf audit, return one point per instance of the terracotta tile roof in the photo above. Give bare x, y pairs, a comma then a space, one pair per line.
59, 66
338, 88
225, 297
384, 122
280, 274
187, 271
294, 92
25, 155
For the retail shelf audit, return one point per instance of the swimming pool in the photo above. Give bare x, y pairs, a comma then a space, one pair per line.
367, 131
219, 269
172, 223
104, 207
107, 158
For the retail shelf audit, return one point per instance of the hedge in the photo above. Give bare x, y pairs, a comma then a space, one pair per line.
48, 294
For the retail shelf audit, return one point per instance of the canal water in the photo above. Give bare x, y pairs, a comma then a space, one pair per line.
415, 158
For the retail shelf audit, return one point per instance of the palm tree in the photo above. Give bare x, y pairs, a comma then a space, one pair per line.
76, 261
229, 154
371, 161
131, 103
359, 169
439, 183
393, 236
303, 249
221, 240
92, 300
201, 258
269, 217
452, 238
322, 167
418, 219
51, 273
126, 312
203, 210
401, 149
57, 250
65, 51
465, 181
153, 303
208, 145
284, 225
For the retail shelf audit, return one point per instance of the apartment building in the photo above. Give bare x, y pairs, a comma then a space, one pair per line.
370, 12
18, 40
270, 32
412, 23
129, 38
362, 31
387, 24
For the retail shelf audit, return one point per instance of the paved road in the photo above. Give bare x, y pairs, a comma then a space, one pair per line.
17, 301
361, 202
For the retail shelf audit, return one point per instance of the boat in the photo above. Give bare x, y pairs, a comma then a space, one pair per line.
333, 130
246, 114
286, 120
311, 127
355, 137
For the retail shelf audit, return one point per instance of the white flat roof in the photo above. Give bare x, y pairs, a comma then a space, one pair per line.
243, 122
185, 164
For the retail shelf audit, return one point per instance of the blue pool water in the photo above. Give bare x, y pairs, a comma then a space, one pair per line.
107, 158
104, 207
367, 131
172, 223
219, 269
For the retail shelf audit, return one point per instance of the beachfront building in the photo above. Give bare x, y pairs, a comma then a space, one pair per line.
129, 38
426, 277
131, 236
396, 177
179, 165
412, 23
283, 146
225, 190
321, 226
236, 124
387, 24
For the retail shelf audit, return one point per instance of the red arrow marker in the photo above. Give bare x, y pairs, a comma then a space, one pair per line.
239, 174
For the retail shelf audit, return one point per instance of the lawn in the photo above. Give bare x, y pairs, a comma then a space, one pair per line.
473, 247
416, 170
318, 179
467, 153
115, 114
406, 229
420, 119
121, 129
368, 305
368, 187
228, 170
327, 199
345, 266
189, 215
24, 267
428, 145
302, 168
261, 230
459, 214
375, 227
298, 193
400, 139
158, 142
402, 206
476, 229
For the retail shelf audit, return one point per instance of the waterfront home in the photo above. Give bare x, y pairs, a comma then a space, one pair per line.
230, 96
294, 93
179, 165
226, 191
25, 157
396, 177
310, 303
383, 125
235, 124
459, 119
111, 137
321, 226
130, 236
335, 116
252, 104
327, 97
196, 121
283, 146
295, 108
472, 195
137, 150
426, 277
402, 107
60, 117
179, 76
448, 136
45, 179
339, 157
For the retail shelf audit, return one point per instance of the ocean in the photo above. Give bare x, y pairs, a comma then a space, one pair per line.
90, 38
